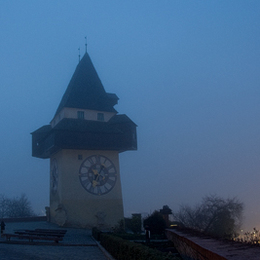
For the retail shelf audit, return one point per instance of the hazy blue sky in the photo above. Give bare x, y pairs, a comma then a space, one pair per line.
186, 72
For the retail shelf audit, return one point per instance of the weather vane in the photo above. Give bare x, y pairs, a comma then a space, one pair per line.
79, 53
85, 44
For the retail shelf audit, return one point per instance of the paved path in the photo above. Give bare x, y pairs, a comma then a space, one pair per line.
77, 244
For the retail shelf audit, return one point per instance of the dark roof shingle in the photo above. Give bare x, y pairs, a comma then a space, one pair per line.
85, 90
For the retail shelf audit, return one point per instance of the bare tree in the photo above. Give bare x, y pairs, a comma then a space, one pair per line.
15, 207
214, 215
3, 206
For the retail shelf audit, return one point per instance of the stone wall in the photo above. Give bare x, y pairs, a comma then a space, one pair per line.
189, 250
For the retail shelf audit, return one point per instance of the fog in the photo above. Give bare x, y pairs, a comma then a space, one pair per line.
186, 72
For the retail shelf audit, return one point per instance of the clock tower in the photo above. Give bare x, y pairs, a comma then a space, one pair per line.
83, 142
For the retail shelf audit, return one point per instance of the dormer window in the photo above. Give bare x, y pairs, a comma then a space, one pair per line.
100, 116
80, 114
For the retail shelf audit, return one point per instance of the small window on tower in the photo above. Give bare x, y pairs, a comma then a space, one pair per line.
80, 114
100, 116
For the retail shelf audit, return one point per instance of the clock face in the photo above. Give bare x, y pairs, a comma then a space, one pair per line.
54, 176
97, 175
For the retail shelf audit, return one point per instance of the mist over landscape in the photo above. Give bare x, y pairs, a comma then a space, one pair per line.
186, 72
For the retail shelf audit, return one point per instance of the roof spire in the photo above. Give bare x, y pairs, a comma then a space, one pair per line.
85, 44
79, 53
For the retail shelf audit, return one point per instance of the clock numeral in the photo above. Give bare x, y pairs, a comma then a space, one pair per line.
84, 170
110, 167
91, 189
85, 167
85, 182
112, 173
99, 191
104, 188
98, 159
82, 175
105, 160
111, 181
90, 160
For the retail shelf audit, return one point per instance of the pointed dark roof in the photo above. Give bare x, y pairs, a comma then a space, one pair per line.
85, 90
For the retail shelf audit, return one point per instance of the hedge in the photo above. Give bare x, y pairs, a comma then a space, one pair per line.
96, 233
126, 250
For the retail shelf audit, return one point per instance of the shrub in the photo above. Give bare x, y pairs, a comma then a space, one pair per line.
155, 223
126, 250
96, 233
134, 224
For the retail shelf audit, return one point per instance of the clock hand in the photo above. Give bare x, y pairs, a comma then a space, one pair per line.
94, 183
95, 180
101, 168
95, 171
97, 174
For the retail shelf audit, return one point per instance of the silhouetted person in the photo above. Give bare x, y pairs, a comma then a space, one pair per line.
2, 227
147, 235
